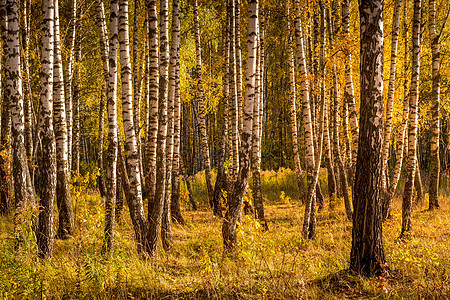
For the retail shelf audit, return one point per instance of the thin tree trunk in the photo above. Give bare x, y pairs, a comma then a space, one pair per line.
68, 83
45, 234
111, 158
101, 120
343, 183
5, 135
391, 89
402, 143
175, 205
293, 109
63, 197
236, 195
221, 176
237, 29
412, 130
201, 110
256, 139
233, 101
166, 231
435, 95
349, 95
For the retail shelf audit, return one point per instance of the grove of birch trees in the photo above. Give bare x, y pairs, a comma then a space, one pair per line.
142, 95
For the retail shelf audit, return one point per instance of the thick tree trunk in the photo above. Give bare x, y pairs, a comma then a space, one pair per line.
367, 254
111, 157
412, 130
236, 195
157, 203
45, 234
63, 198
435, 95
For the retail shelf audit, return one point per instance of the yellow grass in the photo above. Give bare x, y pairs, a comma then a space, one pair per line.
276, 264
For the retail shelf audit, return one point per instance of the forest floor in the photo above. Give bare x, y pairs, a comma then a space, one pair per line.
277, 264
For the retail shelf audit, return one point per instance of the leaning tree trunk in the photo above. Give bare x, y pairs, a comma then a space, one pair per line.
45, 234
166, 230
435, 95
236, 195
27, 88
308, 230
367, 253
342, 172
23, 191
201, 109
153, 94
135, 202
293, 109
233, 118
63, 198
412, 130
111, 157
391, 89
157, 203
402, 143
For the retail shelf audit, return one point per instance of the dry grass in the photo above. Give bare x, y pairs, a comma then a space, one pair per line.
276, 264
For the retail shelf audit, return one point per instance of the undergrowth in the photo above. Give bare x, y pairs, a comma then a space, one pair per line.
277, 264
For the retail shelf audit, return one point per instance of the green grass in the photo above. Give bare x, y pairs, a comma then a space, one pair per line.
276, 264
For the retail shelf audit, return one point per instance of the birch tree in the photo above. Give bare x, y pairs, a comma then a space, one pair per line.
156, 206
412, 124
111, 157
367, 253
236, 195
63, 197
45, 234
435, 100
134, 198
153, 95
391, 88
349, 94
23, 190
